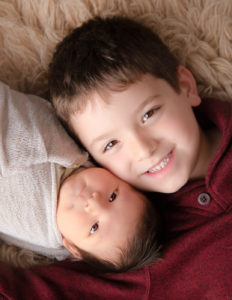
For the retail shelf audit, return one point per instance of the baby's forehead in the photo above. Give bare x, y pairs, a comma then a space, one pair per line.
69, 172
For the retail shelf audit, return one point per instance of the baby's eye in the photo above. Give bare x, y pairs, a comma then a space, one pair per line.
113, 196
147, 115
94, 228
110, 145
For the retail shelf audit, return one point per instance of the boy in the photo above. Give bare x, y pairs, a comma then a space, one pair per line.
120, 90
47, 202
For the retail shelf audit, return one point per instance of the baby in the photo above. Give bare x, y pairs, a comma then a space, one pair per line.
50, 204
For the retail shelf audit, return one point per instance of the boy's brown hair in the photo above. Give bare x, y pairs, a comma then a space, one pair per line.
106, 54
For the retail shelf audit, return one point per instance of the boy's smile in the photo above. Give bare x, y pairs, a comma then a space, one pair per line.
163, 164
147, 133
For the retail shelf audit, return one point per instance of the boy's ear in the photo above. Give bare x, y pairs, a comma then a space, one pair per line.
71, 248
188, 85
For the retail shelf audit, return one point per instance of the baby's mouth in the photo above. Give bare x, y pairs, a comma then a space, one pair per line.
161, 165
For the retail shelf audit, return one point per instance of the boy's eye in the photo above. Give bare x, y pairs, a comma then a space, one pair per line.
148, 114
110, 145
94, 228
113, 196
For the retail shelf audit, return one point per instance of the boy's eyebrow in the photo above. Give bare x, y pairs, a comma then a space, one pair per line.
99, 138
137, 110
145, 102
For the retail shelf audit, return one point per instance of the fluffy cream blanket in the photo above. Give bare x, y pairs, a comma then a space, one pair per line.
198, 32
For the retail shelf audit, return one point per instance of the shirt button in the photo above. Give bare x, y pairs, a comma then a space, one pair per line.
203, 199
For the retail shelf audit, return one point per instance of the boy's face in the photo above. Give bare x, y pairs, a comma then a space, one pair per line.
146, 134
98, 212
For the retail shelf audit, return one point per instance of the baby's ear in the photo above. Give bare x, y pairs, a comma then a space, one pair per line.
71, 248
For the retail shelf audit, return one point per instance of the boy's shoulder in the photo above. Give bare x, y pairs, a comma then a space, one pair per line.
214, 111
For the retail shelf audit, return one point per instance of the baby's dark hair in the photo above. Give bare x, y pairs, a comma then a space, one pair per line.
144, 248
106, 53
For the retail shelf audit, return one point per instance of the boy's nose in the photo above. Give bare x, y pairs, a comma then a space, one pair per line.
142, 147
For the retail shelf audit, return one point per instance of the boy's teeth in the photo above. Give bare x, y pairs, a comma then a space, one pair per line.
161, 165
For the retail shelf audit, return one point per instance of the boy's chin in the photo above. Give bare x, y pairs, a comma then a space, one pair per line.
174, 187
168, 189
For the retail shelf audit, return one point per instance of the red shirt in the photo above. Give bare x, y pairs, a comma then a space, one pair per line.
201, 200
196, 264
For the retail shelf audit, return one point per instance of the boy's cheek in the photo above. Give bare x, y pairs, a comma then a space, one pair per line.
117, 165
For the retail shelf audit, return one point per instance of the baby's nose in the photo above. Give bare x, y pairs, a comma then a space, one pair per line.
93, 201
87, 193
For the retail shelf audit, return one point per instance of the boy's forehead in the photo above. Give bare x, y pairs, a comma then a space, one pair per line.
100, 97
103, 100
108, 111
89, 102
105, 93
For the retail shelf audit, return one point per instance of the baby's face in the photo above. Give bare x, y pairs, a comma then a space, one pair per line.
98, 212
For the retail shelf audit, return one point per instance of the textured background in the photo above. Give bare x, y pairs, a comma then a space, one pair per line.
199, 33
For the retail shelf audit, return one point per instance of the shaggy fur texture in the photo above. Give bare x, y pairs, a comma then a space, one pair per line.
198, 32
22, 258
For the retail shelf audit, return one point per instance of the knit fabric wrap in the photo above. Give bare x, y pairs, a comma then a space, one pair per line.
34, 148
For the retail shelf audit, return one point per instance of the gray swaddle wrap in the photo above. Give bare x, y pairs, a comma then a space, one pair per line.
32, 146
